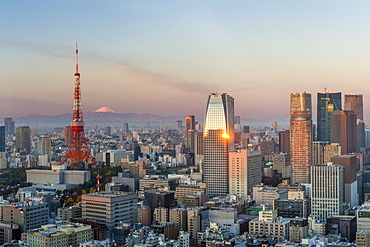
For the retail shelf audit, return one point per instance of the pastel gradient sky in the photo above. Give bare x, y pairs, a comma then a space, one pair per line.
166, 57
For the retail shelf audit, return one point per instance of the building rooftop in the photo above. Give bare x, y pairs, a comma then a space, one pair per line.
52, 230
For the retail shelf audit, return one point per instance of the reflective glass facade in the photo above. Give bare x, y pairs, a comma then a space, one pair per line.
218, 140
326, 104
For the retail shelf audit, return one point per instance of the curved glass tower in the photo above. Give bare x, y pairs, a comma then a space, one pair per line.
218, 141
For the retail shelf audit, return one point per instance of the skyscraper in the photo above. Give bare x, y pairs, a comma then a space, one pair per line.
326, 104
2, 138
350, 178
244, 172
300, 146
300, 102
355, 103
220, 115
343, 130
23, 139
125, 128
218, 141
9, 126
284, 141
327, 192
189, 132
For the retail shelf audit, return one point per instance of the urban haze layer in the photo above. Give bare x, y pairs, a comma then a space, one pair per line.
196, 182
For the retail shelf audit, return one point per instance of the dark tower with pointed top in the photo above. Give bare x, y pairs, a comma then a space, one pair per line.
78, 153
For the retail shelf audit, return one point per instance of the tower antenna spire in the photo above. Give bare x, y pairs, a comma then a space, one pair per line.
76, 57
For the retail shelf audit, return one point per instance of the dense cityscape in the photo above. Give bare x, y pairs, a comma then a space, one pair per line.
201, 182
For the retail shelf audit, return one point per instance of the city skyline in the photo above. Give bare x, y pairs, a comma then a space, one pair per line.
165, 57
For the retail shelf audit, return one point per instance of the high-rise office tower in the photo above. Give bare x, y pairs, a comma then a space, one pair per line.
44, 146
190, 122
300, 146
350, 178
360, 131
327, 190
125, 128
220, 115
189, 132
331, 150
317, 152
354, 102
179, 123
300, 102
2, 138
244, 172
67, 131
216, 163
343, 130
23, 139
218, 141
284, 141
9, 126
326, 104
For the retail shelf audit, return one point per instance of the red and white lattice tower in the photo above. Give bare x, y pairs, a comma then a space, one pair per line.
78, 152
98, 185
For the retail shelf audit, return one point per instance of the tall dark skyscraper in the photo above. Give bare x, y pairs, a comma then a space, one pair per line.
218, 141
125, 128
284, 141
355, 103
2, 138
326, 104
343, 130
189, 132
23, 139
9, 126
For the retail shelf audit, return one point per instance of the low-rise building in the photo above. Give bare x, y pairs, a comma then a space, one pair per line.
58, 235
110, 208
270, 225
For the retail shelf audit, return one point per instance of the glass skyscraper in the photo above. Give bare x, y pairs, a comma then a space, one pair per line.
218, 141
326, 104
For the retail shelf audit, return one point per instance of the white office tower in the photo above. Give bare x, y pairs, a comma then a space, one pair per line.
363, 217
327, 183
244, 172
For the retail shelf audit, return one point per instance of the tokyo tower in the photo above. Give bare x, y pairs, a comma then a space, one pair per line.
78, 154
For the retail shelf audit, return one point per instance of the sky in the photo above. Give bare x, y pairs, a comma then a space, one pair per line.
166, 57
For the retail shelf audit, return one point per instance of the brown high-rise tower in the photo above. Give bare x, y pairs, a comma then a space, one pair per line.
300, 146
78, 153
343, 125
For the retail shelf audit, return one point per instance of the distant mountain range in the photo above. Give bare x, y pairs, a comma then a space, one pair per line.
98, 117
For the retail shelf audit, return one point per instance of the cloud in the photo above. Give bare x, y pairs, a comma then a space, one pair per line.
145, 77
149, 78
46, 49
247, 85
